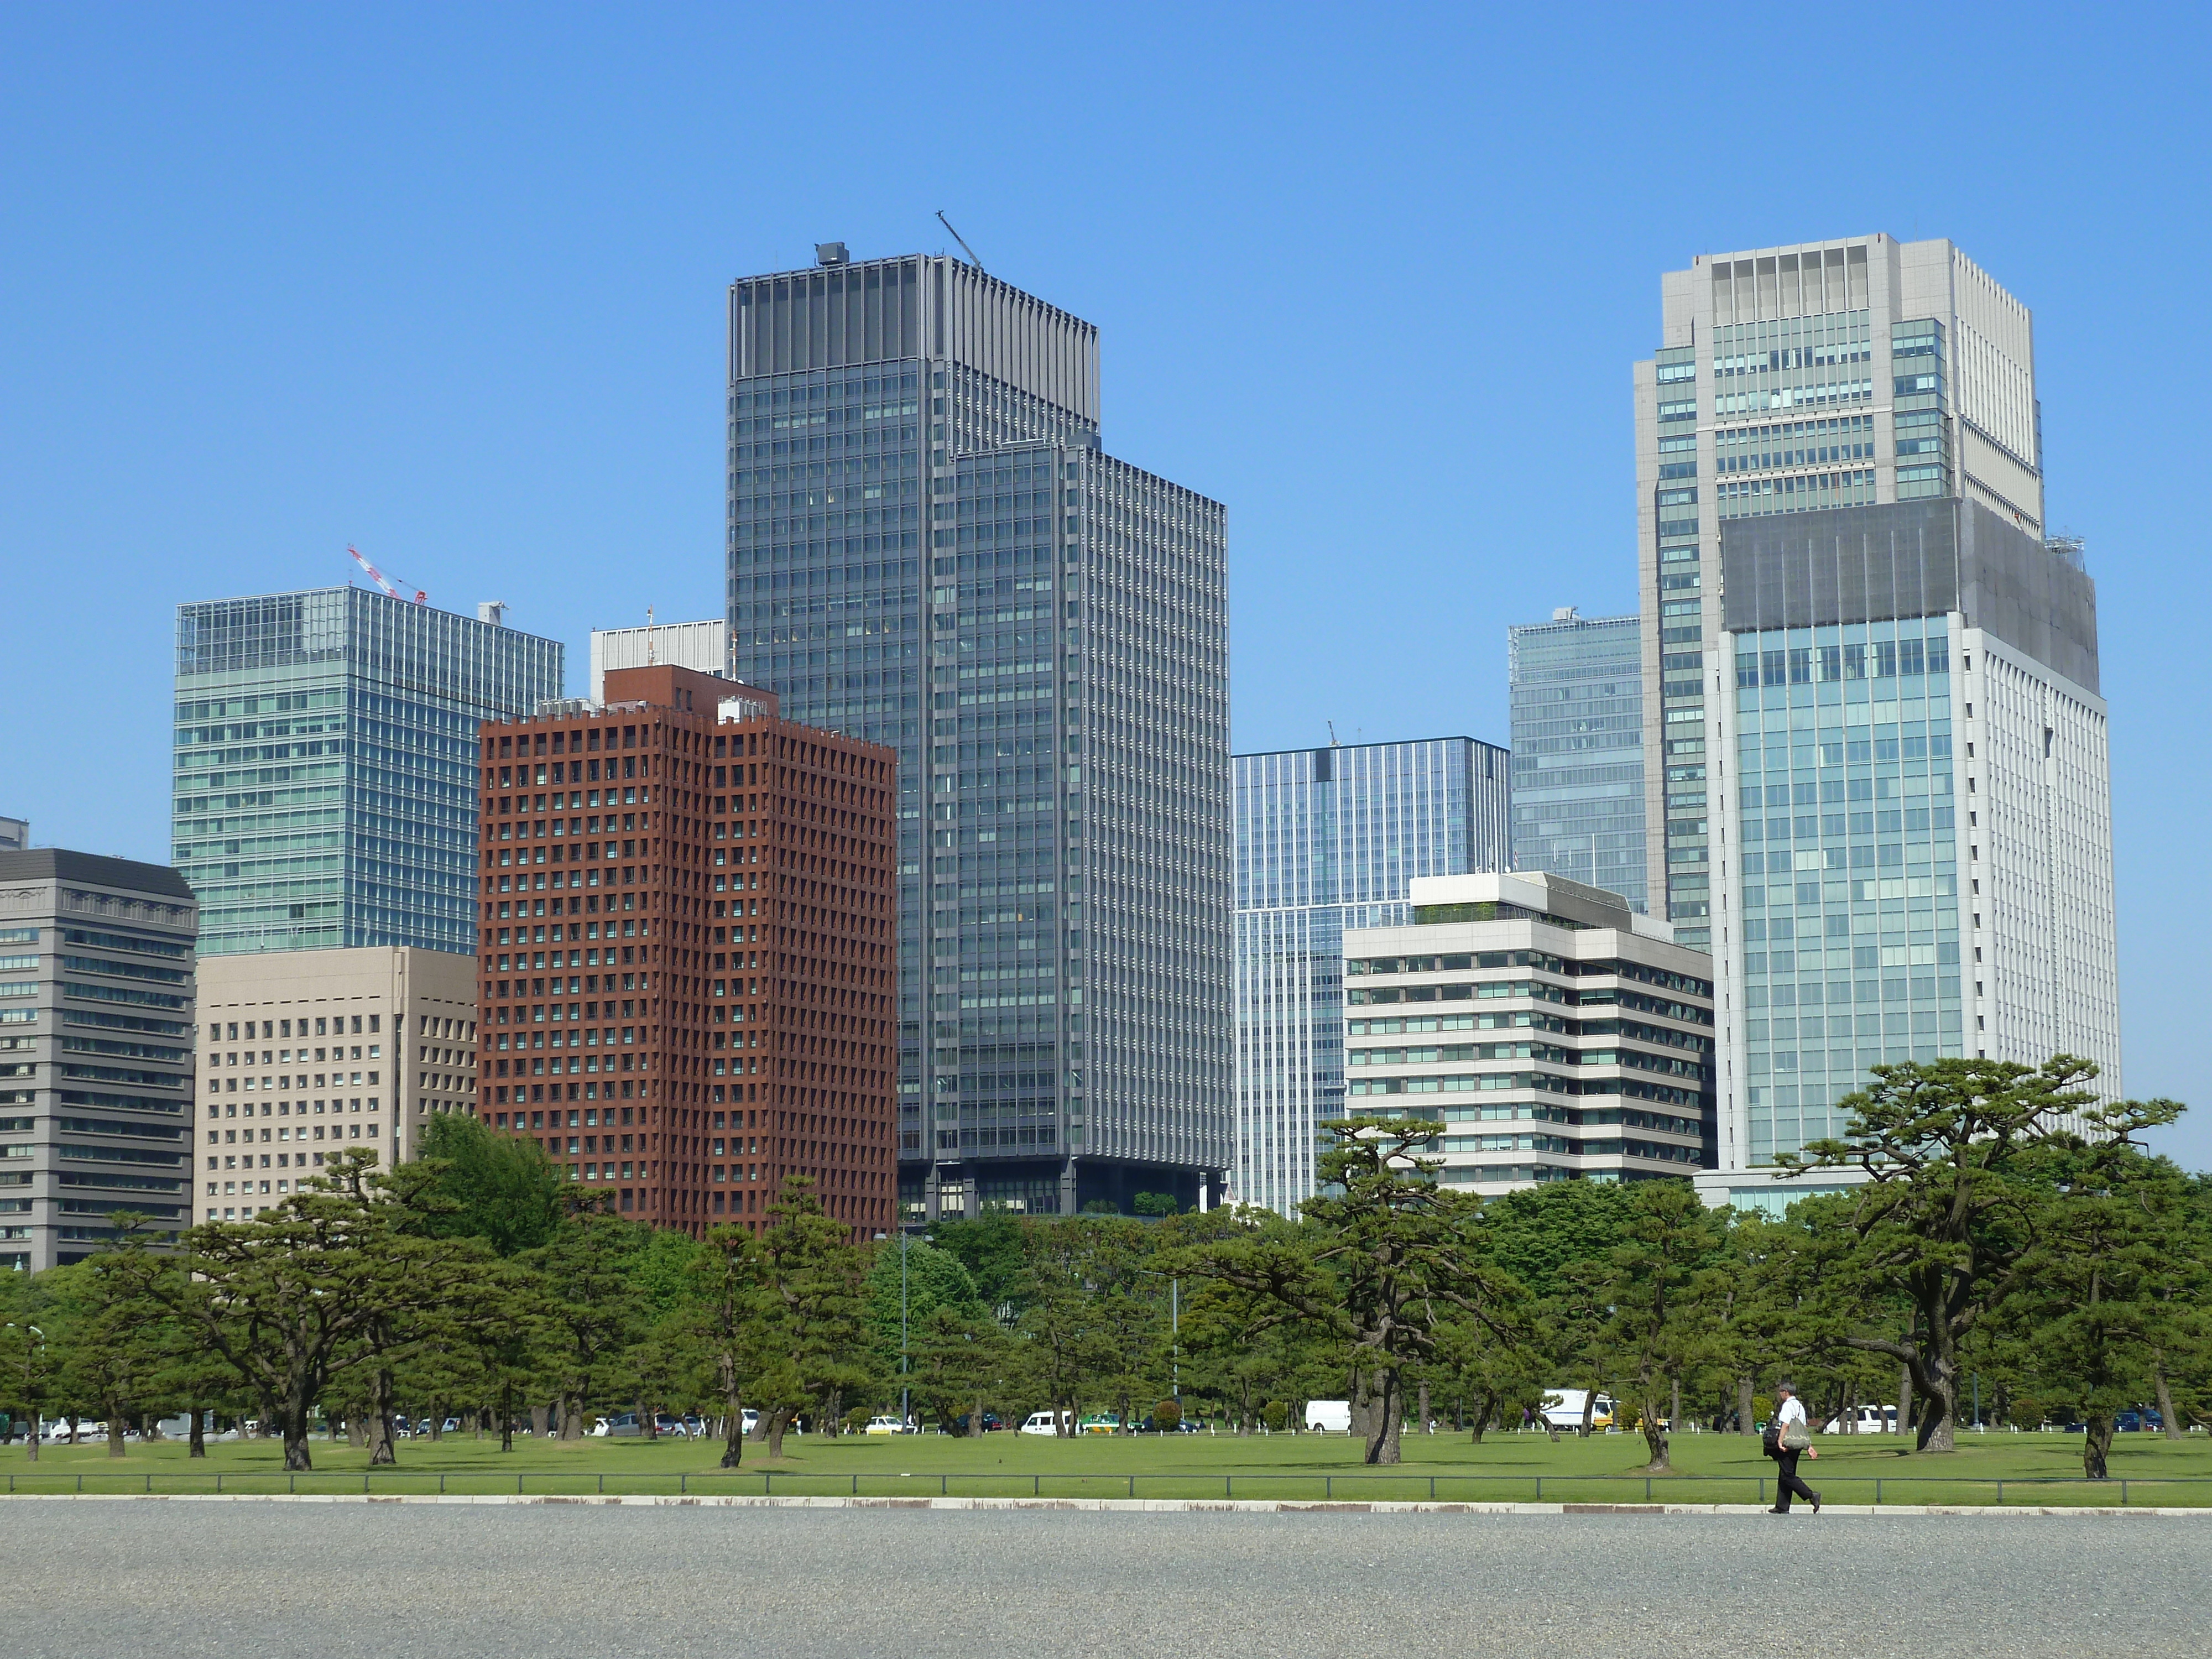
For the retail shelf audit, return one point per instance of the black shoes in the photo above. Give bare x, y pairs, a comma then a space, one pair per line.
1816, 1503
1777, 1511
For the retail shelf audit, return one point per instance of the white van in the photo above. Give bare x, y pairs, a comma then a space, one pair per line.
1872, 1419
1563, 1408
1328, 1417
1041, 1423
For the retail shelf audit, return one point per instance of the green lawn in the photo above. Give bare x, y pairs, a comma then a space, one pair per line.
1504, 1467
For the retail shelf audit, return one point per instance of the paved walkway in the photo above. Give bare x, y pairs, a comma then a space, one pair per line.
465, 1578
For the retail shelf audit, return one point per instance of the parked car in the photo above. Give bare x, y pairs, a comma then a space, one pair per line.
1871, 1419
1182, 1425
887, 1424
990, 1422
2138, 1419
665, 1423
1101, 1423
1043, 1423
623, 1426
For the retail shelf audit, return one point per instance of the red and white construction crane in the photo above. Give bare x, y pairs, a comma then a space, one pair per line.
378, 577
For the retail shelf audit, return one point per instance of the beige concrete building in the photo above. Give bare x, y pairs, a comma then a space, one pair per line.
1555, 1034
300, 1049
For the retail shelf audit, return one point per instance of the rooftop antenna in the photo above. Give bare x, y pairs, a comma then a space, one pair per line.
963, 241
652, 640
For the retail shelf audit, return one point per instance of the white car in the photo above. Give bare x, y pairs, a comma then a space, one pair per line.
887, 1424
1872, 1419
1041, 1423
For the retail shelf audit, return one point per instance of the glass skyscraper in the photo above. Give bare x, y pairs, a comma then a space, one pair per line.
326, 750
1790, 380
1328, 839
1578, 695
928, 549
1876, 739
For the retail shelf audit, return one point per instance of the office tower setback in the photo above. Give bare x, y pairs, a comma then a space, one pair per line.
1578, 695
14, 835
96, 1017
703, 646
1328, 839
1915, 847
1796, 380
928, 547
326, 782
1556, 1035
719, 1009
1873, 727
303, 1049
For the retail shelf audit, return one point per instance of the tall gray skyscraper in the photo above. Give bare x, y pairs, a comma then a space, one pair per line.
1577, 693
928, 547
1872, 724
325, 788
1328, 839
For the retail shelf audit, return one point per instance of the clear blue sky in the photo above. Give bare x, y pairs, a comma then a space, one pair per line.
448, 283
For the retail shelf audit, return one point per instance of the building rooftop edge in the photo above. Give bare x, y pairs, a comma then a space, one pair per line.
101, 869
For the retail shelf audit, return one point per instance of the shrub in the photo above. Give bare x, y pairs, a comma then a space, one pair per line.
1276, 1415
1167, 1415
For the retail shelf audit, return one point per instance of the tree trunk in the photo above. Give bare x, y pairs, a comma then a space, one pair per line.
199, 1434
1485, 1405
1590, 1410
1674, 1416
733, 1441
1386, 1408
538, 1422
571, 1418
115, 1434
1938, 1399
381, 1448
357, 1434
1424, 1418
1904, 1396
295, 1412
977, 1426
2170, 1427
1747, 1407
774, 1422
2097, 1446
1655, 1438
437, 1420
507, 1417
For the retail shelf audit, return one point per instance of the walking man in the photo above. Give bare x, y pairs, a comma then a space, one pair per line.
1786, 1436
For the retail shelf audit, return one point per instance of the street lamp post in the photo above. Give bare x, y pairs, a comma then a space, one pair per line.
906, 1384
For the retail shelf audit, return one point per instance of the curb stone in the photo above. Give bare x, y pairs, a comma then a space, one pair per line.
1112, 1505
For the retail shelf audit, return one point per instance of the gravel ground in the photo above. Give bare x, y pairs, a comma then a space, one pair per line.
245, 1580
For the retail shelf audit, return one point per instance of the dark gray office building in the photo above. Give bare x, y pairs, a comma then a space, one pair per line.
929, 548
96, 1004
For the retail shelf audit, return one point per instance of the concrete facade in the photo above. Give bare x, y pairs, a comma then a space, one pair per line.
1556, 1034
703, 646
358, 1047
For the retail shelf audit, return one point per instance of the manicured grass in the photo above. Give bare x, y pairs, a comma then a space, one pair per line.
2036, 1468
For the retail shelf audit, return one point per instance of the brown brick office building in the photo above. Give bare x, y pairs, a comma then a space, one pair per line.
686, 950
